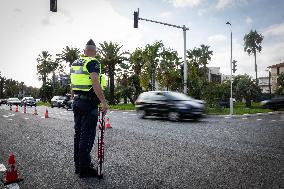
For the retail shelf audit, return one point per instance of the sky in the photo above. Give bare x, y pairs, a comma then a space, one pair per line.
28, 27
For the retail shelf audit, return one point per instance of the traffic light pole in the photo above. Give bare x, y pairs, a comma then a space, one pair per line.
231, 99
184, 28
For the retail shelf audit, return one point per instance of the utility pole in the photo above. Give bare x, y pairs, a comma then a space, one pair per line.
184, 29
231, 78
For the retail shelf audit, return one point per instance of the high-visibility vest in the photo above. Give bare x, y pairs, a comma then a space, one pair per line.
80, 76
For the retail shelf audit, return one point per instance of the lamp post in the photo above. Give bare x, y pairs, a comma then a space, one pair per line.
231, 78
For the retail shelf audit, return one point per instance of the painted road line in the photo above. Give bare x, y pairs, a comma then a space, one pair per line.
27, 118
5, 115
259, 119
259, 113
245, 114
10, 119
227, 117
270, 112
245, 118
273, 120
133, 114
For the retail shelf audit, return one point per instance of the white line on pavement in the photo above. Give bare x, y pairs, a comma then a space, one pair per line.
227, 117
273, 120
133, 114
10, 119
245, 118
27, 118
259, 119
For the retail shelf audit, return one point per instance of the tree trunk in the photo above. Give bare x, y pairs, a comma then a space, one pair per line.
248, 102
255, 68
125, 100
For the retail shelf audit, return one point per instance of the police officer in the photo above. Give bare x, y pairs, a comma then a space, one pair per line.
87, 84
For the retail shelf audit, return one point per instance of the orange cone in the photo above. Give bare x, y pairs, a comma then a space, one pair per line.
11, 174
35, 111
107, 123
25, 109
17, 108
46, 113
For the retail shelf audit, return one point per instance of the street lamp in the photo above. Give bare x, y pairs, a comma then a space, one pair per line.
231, 99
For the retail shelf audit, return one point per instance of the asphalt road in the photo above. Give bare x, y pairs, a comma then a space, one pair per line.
216, 152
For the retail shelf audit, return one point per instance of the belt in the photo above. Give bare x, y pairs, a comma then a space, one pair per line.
84, 97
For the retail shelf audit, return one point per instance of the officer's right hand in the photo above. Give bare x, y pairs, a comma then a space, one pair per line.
104, 108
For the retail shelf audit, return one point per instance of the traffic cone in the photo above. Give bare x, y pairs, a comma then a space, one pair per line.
25, 109
107, 125
17, 108
46, 113
10, 107
35, 111
11, 175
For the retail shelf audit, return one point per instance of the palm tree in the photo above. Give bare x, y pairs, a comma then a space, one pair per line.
252, 45
111, 55
136, 65
44, 66
69, 55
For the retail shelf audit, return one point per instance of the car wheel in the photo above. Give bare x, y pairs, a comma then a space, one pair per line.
173, 116
141, 114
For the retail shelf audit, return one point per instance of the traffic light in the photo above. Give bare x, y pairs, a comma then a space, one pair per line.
136, 18
234, 66
53, 5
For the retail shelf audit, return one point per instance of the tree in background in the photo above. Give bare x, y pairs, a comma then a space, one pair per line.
252, 45
45, 67
111, 55
198, 59
246, 88
150, 58
69, 55
168, 73
2, 81
280, 84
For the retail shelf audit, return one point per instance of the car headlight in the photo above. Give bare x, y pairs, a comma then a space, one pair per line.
263, 102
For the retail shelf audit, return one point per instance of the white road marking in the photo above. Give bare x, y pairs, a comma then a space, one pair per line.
246, 114
273, 120
42, 117
259, 113
133, 114
124, 117
125, 112
259, 119
5, 115
270, 112
245, 118
227, 117
27, 118
2, 168
13, 186
10, 119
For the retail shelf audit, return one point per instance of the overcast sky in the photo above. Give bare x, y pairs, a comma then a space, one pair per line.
28, 27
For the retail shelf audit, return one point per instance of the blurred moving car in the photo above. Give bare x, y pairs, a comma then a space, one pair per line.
274, 103
13, 101
3, 101
57, 101
29, 101
174, 105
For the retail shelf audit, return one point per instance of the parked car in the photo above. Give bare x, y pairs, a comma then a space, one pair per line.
68, 102
274, 103
13, 101
57, 101
174, 105
28, 101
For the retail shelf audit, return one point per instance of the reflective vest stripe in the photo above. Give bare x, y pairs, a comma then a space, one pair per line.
78, 87
79, 71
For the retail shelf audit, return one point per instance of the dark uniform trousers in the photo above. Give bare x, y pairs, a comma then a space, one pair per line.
85, 117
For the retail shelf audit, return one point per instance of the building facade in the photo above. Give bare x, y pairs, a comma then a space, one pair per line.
263, 83
276, 70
